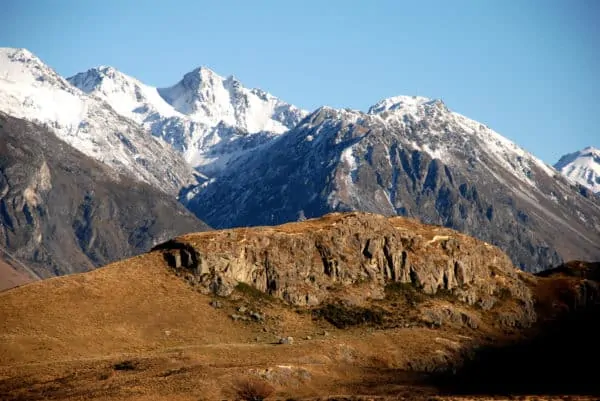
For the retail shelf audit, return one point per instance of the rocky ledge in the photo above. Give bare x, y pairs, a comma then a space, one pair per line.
302, 262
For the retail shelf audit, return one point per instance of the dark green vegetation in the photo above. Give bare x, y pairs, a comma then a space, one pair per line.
343, 316
125, 365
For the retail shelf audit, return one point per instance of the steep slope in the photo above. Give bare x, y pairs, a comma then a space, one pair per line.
582, 167
29, 89
208, 118
63, 212
409, 156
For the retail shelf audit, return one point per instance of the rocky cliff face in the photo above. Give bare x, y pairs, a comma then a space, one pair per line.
410, 157
301, 262
62, 212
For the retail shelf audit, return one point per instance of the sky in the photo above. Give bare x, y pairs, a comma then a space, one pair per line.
526, 68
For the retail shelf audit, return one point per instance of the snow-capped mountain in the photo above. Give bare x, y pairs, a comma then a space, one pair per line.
409, 156
31, 90
208, 118
582, 167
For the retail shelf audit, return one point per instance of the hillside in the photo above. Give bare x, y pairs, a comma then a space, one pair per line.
153, 327
63, 212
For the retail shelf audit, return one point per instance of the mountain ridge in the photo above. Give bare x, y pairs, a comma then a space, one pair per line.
406, 155
422, 161
204, 116
30, 89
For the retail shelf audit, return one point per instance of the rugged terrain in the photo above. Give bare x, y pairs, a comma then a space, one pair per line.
319, 309
208, 118
261, 161
63, 212
31, 90
413, 157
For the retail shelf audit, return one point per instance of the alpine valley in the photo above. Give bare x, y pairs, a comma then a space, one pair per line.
241, 157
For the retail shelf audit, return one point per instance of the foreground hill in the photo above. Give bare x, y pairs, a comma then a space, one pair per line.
63, 212
305, 310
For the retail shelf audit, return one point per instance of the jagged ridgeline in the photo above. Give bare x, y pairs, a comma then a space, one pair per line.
413, 157
260, 161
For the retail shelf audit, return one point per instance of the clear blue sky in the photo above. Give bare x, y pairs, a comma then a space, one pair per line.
528, 69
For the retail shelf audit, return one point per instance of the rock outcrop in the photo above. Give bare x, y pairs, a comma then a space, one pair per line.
301, 262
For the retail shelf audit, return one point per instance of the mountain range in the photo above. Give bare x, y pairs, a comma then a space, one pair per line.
241, 157
207, 118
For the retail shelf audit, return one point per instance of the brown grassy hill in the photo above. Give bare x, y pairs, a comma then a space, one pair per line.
134, 330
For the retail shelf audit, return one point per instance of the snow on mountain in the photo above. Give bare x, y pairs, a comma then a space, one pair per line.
414, 157
208, 118
31, 90
446, 132
582, 167
128, 96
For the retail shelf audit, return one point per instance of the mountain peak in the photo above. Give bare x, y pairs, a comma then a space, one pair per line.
405, 103
200, 77
18, 53
208, 98
582, 167
96, 77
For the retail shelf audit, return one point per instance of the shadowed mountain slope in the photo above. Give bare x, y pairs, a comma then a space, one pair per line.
62, 212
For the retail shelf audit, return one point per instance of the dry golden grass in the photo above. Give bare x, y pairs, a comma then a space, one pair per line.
135, 331
64, 338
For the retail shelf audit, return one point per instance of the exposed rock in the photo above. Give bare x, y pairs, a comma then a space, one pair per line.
257, 316
286, 340
63, 212
300, 262
415, 159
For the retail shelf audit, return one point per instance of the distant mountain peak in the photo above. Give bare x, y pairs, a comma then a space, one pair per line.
21, 54
404, 103
582, 167
31, 90
197, 113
